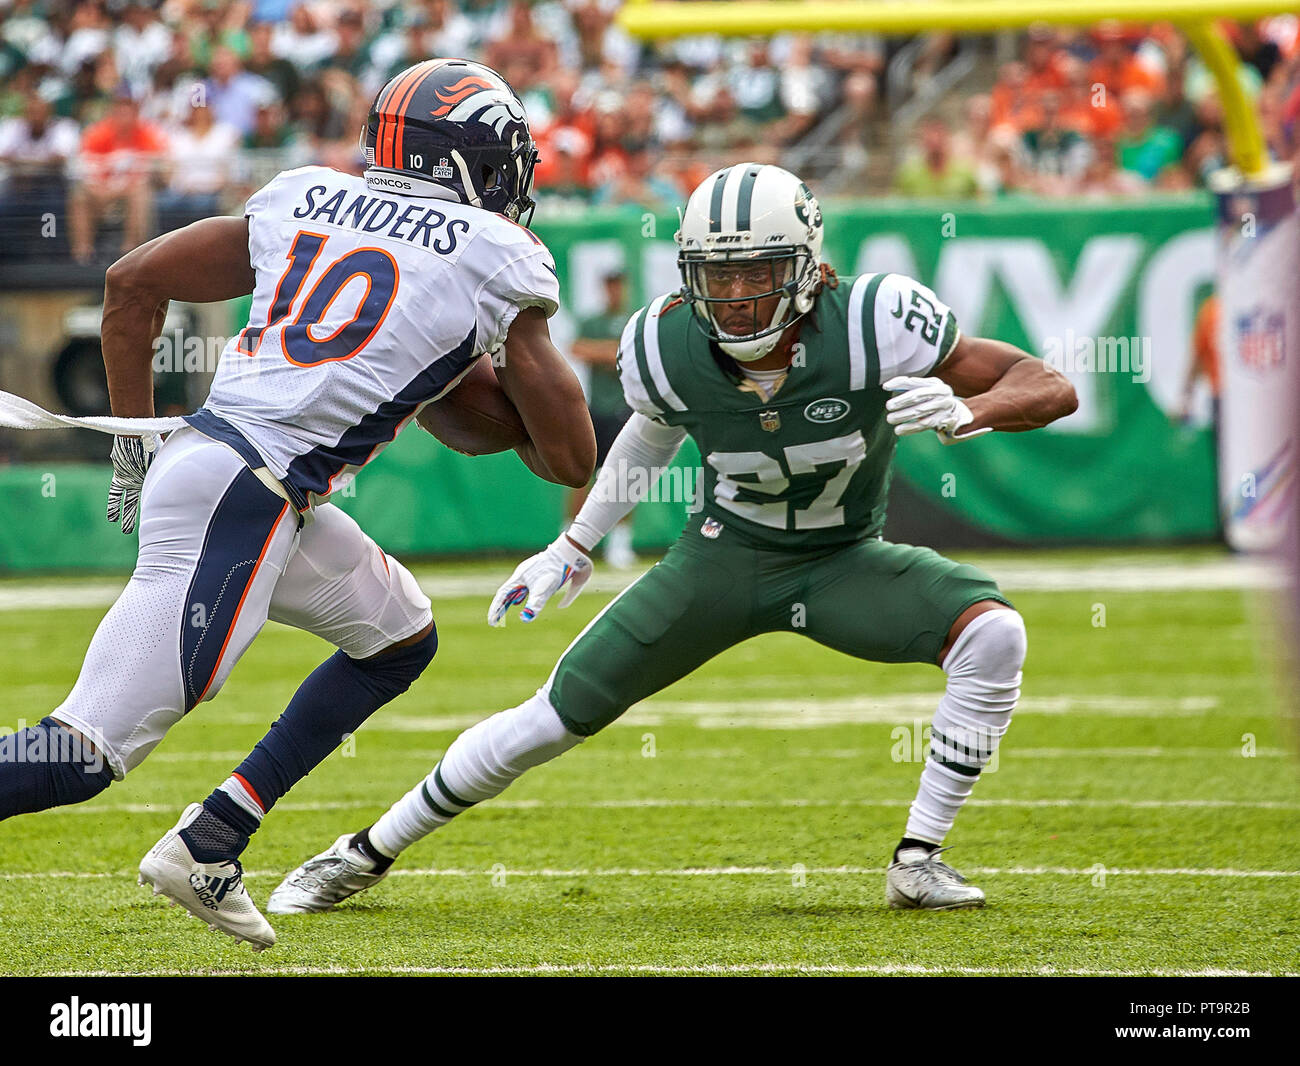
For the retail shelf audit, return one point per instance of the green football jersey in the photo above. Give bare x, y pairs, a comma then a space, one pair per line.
810, 466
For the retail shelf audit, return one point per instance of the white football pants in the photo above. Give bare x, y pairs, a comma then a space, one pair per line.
220, 553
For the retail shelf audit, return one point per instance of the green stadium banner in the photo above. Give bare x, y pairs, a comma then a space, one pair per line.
1107, 292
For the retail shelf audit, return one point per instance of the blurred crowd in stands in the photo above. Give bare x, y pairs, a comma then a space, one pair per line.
1107, 112
148, 113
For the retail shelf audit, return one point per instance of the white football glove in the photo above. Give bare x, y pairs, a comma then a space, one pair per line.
539, 577
131, 457
928, 403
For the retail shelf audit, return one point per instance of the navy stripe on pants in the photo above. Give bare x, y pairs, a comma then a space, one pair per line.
237, 536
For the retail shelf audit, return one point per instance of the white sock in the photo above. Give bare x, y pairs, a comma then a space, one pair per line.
983, 671
480, 764
241, 792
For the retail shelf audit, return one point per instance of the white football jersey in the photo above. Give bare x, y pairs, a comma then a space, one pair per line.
367, 306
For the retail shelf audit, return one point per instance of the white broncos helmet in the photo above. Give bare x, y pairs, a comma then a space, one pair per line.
750, 215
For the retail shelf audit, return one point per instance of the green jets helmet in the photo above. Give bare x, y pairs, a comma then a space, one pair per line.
752, 224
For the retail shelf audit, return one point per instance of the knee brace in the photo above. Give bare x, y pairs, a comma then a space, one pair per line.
984, 664
983, 670
983, 685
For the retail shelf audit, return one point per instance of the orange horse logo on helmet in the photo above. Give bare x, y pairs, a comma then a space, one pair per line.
489, 102
455, 94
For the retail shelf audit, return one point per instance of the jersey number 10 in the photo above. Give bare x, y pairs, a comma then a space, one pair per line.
301, 346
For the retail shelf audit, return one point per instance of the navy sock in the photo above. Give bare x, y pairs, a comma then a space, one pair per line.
211, 838
335, 700
47, 766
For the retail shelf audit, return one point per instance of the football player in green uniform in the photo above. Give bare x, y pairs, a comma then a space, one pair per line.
795, 384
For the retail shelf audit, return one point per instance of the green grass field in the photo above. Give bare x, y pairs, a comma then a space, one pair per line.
1142, 818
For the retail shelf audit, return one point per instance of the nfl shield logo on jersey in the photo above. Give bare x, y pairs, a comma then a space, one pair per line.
770, 420
711, 528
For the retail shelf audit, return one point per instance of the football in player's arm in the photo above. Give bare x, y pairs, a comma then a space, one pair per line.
795, 385
208, 261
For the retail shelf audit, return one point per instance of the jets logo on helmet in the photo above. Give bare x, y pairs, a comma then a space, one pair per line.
749, 250
455, 130
805, 206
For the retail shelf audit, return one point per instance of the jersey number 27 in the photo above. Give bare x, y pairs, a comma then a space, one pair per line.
823, 512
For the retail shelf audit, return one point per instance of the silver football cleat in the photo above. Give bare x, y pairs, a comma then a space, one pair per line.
917, 880
325, 880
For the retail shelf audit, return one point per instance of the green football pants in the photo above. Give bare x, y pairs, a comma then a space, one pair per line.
891, 603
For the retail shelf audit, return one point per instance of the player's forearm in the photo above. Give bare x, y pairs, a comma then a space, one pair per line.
203, 262
127, 334
635, 462
545, 392
1029, 395
532, 458
562, 443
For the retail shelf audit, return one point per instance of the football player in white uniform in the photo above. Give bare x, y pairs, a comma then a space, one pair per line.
372, 297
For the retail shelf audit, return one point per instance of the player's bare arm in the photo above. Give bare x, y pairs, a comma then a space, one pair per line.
537, 380
204, 262
1005, 388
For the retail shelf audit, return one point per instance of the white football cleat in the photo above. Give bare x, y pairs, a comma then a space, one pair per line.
327, 879
213, 892
917, 880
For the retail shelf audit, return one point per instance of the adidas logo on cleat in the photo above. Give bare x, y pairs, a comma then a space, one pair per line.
212, 890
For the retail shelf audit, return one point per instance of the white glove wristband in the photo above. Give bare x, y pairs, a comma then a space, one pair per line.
949, 435
539, 577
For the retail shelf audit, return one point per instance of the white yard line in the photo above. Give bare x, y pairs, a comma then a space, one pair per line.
667, 969
31, 596
431, 756
807, 712
742, 871
695, 802
1123, 576
810, 712
796, 712
1006, 751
